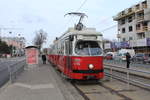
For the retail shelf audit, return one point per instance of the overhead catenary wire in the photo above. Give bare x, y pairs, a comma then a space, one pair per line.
84, 2
76, 11
102, 21
113, 26
108, 28
82, 5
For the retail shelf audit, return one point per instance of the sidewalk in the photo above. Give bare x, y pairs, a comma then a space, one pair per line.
36, 83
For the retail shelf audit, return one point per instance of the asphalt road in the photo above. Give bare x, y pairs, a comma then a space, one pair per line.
6, 65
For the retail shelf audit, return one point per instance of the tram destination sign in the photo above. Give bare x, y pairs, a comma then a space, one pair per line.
87, 37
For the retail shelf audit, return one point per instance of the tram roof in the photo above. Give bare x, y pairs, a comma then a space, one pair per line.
85, 31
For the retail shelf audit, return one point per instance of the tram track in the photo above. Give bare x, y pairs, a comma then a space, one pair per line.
98, 86
81, 92
116, 92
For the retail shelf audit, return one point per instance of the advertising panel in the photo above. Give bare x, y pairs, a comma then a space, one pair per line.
119, 44
124, 44
32, 56
141, 42
148, 41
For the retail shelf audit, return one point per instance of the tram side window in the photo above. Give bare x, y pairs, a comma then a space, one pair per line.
58, 49
68, 47
62, 48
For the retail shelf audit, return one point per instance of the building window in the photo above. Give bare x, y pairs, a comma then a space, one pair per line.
123, 12
130, 38
140, 16
129, 10
130, 28
124, 39
137, 7
122, 21
123, 30
141, 35
144, 4
145, 26
138, 26
130, 19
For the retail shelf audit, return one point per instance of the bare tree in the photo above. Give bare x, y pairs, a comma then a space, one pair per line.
40, 38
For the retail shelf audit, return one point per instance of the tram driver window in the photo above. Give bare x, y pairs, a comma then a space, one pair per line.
88, 48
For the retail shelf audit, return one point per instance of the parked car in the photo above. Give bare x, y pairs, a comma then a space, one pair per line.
108, 57
141, 58
120, 56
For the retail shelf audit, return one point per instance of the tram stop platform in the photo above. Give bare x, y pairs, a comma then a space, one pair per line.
35, 83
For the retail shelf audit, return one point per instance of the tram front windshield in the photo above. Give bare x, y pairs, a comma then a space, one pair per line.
88, 48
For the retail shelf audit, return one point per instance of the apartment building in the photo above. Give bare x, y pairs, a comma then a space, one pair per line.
134, 26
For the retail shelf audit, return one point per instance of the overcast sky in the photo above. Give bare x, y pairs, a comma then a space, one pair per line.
27, 16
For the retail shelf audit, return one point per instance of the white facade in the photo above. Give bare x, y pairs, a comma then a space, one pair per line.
107, 46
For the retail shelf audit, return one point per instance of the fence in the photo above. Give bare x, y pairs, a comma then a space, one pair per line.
122, 63
128, 73
15, 69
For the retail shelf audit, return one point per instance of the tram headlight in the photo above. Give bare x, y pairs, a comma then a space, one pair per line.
91, 66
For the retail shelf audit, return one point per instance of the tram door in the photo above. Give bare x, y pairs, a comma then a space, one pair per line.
68, 52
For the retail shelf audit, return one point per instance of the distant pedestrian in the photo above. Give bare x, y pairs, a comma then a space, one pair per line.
128, 57
44, 58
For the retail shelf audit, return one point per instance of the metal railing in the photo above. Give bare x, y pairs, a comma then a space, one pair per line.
122, 63
128, 72
15, 69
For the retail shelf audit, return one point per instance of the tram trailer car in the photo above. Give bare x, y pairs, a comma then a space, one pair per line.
78, 54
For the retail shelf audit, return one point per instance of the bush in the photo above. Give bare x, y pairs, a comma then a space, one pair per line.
4, 48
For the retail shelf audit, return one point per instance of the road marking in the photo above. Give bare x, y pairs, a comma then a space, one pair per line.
22, 85
34, 87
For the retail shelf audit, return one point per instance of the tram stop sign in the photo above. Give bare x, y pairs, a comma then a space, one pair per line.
32, 55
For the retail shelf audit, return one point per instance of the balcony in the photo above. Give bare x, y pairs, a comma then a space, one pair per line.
140, 8
123, 14
142, 29
140, 18
144, 6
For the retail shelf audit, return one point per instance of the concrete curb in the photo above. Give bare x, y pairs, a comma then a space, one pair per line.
5, 86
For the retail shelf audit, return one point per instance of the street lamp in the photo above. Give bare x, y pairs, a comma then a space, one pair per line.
10, 32
12, 48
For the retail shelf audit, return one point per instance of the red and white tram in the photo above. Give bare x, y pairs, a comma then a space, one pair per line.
78, 54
